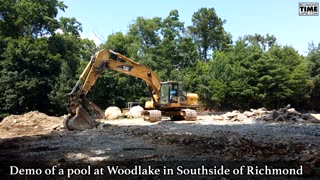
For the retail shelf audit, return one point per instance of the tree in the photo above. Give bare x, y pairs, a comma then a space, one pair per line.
289, 77
177, 50
145, 33
27, 74
29, 18
313, 61
70, 26
235, 70
247, 76
208, 32
58, 96
265, 42
33, 54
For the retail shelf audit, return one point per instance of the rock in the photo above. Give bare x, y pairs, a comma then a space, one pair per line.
294, 118
292, 111
135, 112
241, 117
260, 111
252, 110
285, 108
264, 145
280, 118
314, 120
252, 159
234, 119
275, 114
306, 116
232, 114
274, 157
306, 157
101, 125
112, 112
248, 113
315, 163
300, 119
285, 115
269, 117
259, 152
310, 118
187, 141
220, 118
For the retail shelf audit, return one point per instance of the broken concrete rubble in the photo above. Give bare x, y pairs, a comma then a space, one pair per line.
286, 114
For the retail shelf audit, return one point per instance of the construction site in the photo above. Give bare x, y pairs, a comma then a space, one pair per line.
159, 90
250, 136
169, 128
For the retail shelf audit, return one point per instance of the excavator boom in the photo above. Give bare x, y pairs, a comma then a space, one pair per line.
79, 118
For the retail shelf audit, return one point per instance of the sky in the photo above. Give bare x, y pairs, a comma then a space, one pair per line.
101, 18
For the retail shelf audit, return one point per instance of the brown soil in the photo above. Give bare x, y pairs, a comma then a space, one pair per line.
29, 124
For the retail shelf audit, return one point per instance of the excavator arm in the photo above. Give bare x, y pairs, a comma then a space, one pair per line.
79, 106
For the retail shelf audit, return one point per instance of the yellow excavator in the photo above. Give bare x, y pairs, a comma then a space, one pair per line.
167, 98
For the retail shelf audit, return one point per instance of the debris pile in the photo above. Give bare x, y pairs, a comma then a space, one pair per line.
286, 114
30, 123
226, 145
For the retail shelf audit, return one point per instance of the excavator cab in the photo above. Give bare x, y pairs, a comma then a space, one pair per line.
175, 102
172, 93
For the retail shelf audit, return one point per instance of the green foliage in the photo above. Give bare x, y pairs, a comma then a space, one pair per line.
285, 77
264, 42
58, 96
177, 50
27, 73
41, 58
70, 26
208, 32
313, 61
162, 45
29, 18
155, 43
38, 64
246, 76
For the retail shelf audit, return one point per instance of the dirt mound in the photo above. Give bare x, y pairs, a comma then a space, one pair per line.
31, 123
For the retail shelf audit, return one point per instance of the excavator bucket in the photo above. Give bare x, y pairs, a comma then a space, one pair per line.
81, 121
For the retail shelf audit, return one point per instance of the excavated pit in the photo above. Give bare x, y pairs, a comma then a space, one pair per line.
34, 136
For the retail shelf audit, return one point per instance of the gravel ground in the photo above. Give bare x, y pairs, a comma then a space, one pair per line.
135, 139
205, 126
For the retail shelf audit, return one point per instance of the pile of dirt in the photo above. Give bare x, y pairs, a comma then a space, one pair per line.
31, 123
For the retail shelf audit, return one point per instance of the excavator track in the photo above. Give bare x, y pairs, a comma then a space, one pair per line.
183, 114
189, 114
151, 115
